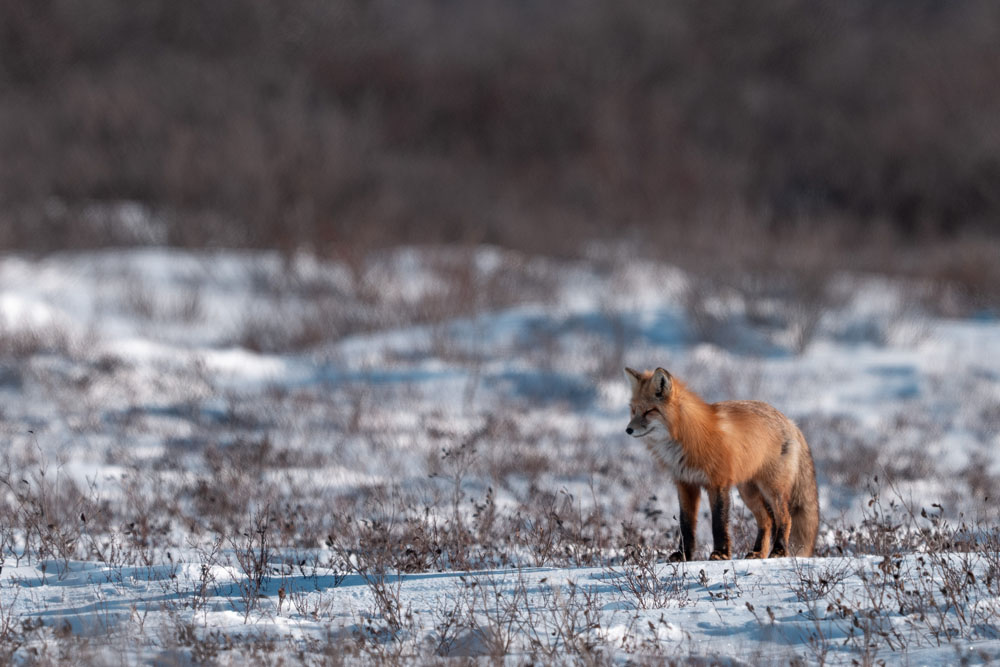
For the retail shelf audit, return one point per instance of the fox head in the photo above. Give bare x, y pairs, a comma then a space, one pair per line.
650, 397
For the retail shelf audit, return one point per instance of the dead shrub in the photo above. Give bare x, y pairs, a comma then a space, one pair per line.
23, 342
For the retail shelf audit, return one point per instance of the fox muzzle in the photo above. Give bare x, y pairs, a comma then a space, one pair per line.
638, 427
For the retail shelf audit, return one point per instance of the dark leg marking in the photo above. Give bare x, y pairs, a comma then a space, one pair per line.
688, 496
687, 536
722, 547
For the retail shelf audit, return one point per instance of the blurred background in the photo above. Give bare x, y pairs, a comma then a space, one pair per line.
778, 134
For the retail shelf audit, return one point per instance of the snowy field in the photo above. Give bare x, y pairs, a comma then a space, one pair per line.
421, 457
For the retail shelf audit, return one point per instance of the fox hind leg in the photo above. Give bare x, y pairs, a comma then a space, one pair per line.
777, 503
755, 502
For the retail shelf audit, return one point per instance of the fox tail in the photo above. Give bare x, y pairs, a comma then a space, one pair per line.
804, 505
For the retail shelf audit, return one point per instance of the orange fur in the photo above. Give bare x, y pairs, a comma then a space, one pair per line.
746, 444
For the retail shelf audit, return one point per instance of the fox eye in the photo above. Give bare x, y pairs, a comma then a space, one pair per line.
649, 412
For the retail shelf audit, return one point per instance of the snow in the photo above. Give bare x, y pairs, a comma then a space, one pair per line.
742, 609
129, 377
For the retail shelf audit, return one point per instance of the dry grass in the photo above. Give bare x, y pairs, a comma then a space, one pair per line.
390, 533
509, 483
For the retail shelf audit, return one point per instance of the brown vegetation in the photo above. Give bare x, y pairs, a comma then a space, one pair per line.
340, 126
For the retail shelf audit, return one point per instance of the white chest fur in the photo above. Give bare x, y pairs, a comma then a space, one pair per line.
669, 454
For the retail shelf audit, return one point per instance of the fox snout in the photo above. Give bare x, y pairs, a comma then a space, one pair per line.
638, 427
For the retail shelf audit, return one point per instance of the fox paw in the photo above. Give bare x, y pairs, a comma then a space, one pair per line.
755, 554
677, 557
718, 555
779, 552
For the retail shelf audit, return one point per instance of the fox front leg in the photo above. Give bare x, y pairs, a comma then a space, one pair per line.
720, 498
688, 495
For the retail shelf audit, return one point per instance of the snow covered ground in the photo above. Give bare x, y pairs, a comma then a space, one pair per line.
222, 456
825, 610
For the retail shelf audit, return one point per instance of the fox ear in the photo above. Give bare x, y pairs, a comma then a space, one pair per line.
662, 383
633, 377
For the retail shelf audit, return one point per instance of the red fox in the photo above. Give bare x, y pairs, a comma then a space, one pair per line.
746, 444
